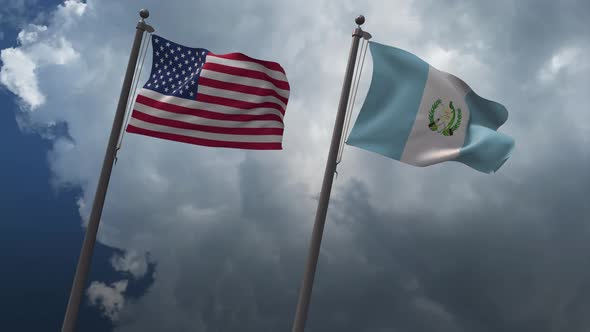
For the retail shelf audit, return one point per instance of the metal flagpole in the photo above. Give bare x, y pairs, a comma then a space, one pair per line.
83, 267
320, 218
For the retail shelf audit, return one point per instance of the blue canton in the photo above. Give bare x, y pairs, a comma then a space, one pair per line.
175, 68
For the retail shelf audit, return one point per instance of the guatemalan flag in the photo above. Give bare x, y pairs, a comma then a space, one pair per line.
221, 100
422, 116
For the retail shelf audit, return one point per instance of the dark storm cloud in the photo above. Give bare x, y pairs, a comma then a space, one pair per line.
513, 30
510, 260
510, 264
240, 273
514, 265
516, 39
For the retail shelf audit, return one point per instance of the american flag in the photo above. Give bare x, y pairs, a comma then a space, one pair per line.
219, 100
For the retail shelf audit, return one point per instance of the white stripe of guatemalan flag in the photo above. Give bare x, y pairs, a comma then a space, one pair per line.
218, 100
422, 116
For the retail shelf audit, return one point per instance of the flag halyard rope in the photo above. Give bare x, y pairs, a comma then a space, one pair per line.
137, 77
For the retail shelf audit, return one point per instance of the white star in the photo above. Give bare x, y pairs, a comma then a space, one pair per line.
171, 51
159, 71
165, 67
161, 76
178, 48
167, 44
183, 72
166, 89
168, 73
156, 65
157, 86
170, 62
192, 94
186, 62
155, 81
173, 87
180, 65
193, 58
170, 79
175, 58
149, 84
174, 69
163, 82
156, 40
162, 60
157, 53
161, 48
196, 64
192, 82
179, 82
154, 76
176, 76
166, 55
182, 55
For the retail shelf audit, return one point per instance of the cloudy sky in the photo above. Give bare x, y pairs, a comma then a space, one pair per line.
201, 239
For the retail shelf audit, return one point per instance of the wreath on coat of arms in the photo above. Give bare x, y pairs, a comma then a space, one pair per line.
448, 119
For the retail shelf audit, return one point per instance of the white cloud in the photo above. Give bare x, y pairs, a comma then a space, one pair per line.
18, 75
435, 311
560, 60
30, 34
109, 299
131, 262
19, 72
39, 48
71, 8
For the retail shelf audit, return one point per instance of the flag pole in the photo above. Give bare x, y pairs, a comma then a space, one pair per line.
320, 218
77, 291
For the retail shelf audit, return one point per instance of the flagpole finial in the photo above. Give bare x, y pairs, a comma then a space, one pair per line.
360, 20
144, 13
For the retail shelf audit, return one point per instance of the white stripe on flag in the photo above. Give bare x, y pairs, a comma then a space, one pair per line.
239, 96
204, 121
244, 81
193, 104
247, 65
206, 135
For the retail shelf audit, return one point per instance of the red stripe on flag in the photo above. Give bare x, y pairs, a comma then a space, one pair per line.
204, 113
242, 57
245, 73
237, 103
241, 88
204, 142
210, 129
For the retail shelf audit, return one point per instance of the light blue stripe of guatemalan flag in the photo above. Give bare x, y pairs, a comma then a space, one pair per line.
410, 104
485, 149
